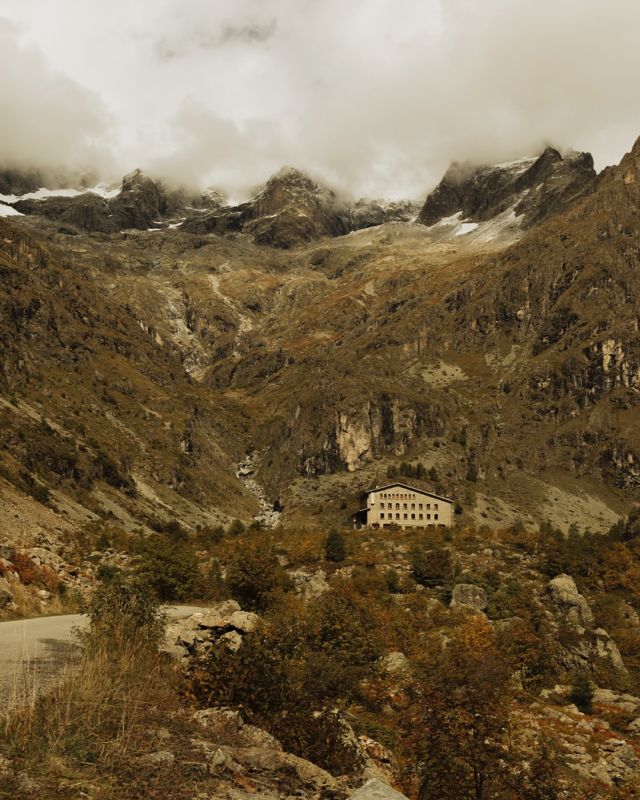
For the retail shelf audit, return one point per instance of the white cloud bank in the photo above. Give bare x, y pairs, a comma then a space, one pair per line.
376, 95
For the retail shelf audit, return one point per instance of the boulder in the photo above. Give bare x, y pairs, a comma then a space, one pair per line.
469, 595
569, 603
634, 727
630, 615
309, 585
225, 623
395, 663
232, 640
43, 557
375, 789
243, 621
221, 760
159, 757
227, 725
625, 702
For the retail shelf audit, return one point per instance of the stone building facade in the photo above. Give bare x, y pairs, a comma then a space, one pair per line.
406, 506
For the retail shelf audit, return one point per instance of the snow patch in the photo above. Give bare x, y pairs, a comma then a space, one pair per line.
7, 211
448, 221
465, 227
102, 190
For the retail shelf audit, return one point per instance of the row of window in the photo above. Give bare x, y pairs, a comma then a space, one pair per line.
406, 516
413, 506
398, 495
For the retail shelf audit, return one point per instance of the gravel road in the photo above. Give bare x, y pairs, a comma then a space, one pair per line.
33, 652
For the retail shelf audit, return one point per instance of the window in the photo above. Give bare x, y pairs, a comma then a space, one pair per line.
428, 505
435, 516
389, 505
406, 517
413, 505
435, 505
421, 517
397, 505
413, 516
404, 505
428, 516
397, 516
420, 506
382, 515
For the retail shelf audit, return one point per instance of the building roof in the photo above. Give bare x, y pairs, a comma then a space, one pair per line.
411, 488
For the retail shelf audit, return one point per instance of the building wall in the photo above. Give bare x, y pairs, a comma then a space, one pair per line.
408, 508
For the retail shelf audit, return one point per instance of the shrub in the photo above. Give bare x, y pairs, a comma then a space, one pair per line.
237, 528
210, 536
335, 546
170, 566
121, 611
291, 672
393, 582
100, 713
27, 570
431, 567
40, 493
254, 576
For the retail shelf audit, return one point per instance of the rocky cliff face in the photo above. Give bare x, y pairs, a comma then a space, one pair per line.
532, 189
290, 210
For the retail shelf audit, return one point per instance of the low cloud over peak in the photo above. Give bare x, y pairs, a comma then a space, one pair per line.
376, 101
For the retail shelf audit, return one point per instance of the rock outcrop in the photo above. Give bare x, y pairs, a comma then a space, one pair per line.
222, 625
533, 188
376, 790
290, 210
367, 213
583, 645
469, 596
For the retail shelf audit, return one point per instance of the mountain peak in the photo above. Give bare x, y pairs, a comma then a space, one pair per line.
534, 187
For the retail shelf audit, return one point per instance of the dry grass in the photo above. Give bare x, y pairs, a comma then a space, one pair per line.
28, 605
94, 713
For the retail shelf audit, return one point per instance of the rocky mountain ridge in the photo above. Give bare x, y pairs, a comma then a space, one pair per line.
499, 361
532, 189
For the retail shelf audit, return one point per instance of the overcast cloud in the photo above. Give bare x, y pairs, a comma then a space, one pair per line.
377, 96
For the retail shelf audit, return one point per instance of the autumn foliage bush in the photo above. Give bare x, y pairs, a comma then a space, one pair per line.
294, 670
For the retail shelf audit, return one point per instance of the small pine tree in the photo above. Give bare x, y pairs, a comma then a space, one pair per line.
407, 470
335, 547
392, 471
433, 474
582, 692
421, 472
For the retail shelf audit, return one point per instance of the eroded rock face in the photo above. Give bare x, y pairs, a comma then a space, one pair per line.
534, 187
367, 213
232, 747
568, 601
582, 643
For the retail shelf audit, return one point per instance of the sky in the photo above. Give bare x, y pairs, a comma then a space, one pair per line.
376, 97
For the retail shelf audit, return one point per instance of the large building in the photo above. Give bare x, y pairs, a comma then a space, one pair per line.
406, 506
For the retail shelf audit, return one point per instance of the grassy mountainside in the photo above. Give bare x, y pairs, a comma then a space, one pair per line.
507, 360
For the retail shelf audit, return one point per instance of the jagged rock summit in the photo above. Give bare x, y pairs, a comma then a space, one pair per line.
291, 209
531, 188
